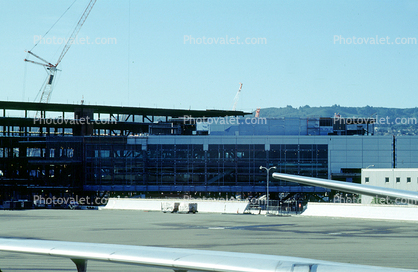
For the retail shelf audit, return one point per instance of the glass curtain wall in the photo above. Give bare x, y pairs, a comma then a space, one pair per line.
191, 165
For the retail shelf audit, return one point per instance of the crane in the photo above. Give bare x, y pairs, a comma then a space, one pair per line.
51, 69
257, 113
236, 98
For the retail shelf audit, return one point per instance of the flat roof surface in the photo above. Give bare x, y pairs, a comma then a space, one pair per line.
369, 242
56, 107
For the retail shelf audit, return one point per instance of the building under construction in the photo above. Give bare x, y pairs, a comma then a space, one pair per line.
92, 150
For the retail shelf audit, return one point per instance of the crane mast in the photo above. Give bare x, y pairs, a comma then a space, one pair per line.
50, 68
236, 98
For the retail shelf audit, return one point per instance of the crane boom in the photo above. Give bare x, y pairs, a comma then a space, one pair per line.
80, 23
36, 62
47, 63
51, 69
236, 98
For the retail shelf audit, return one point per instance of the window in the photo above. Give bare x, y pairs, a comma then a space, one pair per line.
386, 179
408, 179
104, 153
366, 179
325, 122
398, 179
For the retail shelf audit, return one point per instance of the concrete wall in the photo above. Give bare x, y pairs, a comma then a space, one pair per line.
204, 206
406, 151
359, 152
386, 212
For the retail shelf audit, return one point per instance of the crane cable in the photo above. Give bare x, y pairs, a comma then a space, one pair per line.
46, 33
24, 81
129, 45
53, 25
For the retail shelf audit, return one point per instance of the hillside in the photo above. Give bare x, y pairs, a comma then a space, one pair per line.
390, 121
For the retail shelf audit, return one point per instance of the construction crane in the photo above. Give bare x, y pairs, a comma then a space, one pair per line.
51, 69
257, 113
236, 98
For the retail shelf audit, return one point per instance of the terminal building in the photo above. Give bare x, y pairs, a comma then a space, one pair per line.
395, 178
91, 150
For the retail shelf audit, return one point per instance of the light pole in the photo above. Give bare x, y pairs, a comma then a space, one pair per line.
268, 181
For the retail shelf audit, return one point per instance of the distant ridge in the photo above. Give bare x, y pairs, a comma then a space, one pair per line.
396, 121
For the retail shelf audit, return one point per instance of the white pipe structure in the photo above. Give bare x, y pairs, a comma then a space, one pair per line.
179, 260
355, 188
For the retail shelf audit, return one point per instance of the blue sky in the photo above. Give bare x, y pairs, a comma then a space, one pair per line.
301, 58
